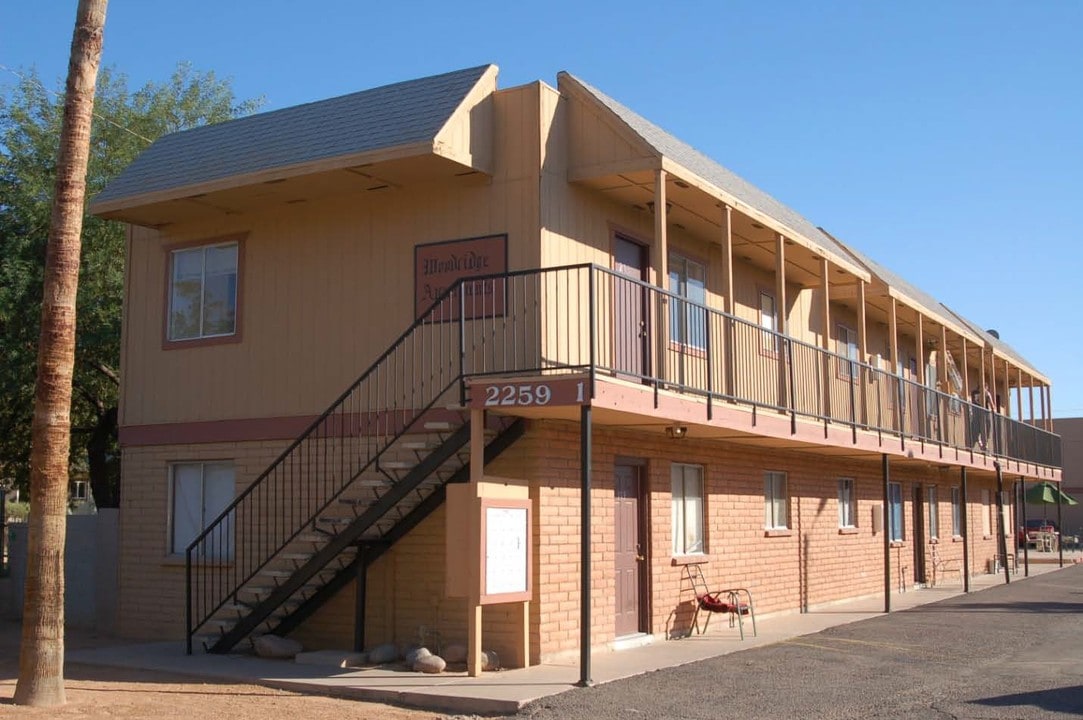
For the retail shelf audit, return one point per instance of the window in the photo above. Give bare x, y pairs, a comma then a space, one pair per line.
895, 525
687, 322
985, 508
687, 509
846, 347
934, 512
199, 494
769, 321
956, 512
203, 292
80, 490
776, 515
847, 503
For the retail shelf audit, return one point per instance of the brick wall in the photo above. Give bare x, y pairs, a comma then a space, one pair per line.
812, 564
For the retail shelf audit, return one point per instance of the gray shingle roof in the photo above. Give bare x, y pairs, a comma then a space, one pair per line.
390, 116
724, 179
999, 345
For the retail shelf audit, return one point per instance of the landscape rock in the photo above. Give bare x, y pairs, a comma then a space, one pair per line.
490, 660
429, 664
416, 654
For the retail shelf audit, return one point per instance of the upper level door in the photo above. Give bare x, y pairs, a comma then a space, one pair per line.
630, 312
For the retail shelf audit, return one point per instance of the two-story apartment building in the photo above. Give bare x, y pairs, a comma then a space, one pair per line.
357, 331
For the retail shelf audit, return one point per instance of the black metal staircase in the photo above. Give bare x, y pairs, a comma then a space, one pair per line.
364, 473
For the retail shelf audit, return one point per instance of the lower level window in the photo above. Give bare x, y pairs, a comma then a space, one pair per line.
776, 510
200, 492
847, 503
895, 512
687, 509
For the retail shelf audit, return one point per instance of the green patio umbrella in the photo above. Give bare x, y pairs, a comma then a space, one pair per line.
1045, 493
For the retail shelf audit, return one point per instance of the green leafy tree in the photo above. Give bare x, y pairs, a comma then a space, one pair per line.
125, 123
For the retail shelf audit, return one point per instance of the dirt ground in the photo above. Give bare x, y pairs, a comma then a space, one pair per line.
102, 692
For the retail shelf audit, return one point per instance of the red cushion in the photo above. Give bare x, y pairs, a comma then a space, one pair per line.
713, 603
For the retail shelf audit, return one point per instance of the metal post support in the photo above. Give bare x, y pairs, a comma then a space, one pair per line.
1023, 524
1002, 546
584, 549
966, 532
886, 466
360, 597
1060, 526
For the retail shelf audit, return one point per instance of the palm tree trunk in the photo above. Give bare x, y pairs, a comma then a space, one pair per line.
41, 657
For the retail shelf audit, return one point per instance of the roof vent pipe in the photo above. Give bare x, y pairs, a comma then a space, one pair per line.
994, 333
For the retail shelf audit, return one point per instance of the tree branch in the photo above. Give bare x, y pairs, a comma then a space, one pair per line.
106, 371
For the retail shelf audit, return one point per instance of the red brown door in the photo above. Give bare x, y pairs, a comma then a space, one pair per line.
629, 560
629, 308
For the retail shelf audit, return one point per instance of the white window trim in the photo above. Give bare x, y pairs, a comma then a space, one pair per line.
201, 335
956, 511
684, 337
932, 500
776, 496
896, 534
679, 472
847, 503
207, 515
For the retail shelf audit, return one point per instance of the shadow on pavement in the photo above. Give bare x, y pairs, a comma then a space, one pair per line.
1064, 699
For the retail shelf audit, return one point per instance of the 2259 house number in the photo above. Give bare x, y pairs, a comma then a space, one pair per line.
531, 394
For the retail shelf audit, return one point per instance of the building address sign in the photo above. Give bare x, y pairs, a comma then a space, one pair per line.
511, 392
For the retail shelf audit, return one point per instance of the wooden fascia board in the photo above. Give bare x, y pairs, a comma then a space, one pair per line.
447, 148
338, 162
677, 170
936, 317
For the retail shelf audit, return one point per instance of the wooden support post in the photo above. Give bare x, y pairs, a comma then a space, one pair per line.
729, 383
966, 373
893, 348
474, 609
862, 352
780, 316
825, 340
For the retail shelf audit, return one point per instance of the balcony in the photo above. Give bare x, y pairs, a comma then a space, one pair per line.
703, 367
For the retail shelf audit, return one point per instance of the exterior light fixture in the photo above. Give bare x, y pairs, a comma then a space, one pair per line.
676, 432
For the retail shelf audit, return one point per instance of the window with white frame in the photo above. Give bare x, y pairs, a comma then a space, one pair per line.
847, 503
769, 320
199, 492
986, 523
203, 291
896, 526
931, 500
687, 502
846, 347
688, 322
956, 512
776, 501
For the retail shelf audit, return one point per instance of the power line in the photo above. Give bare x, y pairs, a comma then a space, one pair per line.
37, 82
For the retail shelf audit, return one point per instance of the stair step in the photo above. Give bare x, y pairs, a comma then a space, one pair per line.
373, 482
234, 607
397, 465
419, 445
314, 537
439, 426
334, 520
295, 556
277, 573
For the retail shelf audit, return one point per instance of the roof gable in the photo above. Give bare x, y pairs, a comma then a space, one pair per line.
397, 115
669, 146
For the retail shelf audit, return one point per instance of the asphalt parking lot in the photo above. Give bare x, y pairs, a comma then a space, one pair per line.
1013, 651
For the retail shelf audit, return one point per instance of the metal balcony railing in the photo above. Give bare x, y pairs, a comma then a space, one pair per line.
586, 317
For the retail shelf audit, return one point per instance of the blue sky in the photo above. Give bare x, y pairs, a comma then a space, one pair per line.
944, 139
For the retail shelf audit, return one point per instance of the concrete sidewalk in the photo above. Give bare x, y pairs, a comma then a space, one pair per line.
508, 691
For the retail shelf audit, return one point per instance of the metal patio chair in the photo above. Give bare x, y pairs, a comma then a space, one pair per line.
734, 602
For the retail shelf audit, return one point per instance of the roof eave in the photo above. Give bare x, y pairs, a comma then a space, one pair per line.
339, 162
